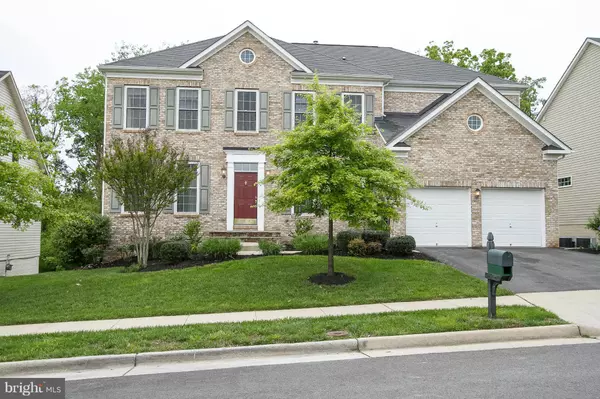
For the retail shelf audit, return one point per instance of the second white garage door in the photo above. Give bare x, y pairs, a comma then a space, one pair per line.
447, 222
515, 216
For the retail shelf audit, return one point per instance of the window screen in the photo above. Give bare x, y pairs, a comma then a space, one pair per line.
136, 107
246, 111
188, 109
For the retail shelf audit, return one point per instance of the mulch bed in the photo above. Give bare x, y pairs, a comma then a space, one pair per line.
337, 279
157, 264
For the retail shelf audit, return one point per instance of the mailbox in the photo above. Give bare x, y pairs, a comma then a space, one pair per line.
500, 265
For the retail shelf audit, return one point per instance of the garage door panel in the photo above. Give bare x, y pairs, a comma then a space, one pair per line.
514, 216
447, 220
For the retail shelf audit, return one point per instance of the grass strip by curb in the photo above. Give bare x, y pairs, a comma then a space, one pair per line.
59, 345
264, 283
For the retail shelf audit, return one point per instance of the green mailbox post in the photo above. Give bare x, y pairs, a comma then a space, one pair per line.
499, 269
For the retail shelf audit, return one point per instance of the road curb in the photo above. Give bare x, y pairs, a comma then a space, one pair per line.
469, 337
48, 366
302, 348
589, 331
67, 364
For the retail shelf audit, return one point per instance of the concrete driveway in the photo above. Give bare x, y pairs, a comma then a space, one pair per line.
535, 269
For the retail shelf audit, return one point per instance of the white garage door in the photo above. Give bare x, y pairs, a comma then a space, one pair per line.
447, 222
516, 217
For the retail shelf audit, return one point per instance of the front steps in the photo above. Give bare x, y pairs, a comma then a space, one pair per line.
247, 235
250, 248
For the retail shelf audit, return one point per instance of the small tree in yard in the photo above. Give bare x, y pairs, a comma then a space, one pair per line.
594, 223
145, 175
328, 165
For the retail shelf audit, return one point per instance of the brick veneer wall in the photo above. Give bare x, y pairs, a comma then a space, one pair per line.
503, 154
223, 71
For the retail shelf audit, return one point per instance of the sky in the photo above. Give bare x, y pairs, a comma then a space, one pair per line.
45, 40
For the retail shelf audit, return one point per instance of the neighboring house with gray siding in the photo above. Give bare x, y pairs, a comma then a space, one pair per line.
484, 164
20, 248
572, 113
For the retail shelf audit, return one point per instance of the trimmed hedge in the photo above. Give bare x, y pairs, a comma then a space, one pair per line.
374, 248
220, 248
269, 247
175, 251
344, 237
400, 246
376, 236
357, 247
311, 244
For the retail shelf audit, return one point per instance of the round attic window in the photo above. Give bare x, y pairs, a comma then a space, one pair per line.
474, 122
247, 56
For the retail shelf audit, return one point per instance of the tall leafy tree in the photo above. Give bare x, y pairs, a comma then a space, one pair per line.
328, 163
80, 108
40, 104
490, 62
145, 174
23, 190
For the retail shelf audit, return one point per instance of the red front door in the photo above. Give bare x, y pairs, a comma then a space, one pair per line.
245, 195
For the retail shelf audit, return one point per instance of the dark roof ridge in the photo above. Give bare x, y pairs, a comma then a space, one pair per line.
333, 44
333, 58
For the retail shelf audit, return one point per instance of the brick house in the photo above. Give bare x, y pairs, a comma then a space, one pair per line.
483, 163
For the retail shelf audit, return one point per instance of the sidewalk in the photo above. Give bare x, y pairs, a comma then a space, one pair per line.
160, 321
578, 307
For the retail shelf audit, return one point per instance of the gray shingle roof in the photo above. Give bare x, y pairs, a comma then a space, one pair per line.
2, 73
400, 64
396, 123
172, 57
336, 59
596, 39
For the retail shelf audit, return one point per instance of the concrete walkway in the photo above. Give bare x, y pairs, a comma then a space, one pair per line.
577, 307
159, 321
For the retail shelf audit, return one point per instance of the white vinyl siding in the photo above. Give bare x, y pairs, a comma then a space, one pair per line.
516, 217
447, 222
574, 117
22, 246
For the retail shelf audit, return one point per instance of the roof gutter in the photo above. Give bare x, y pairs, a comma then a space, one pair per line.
113, 71
453, 85
336, 76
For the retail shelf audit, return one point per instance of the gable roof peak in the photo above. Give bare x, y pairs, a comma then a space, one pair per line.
246, 26
502, 102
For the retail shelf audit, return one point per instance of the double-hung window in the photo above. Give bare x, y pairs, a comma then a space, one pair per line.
187, 197
300, 106
136, 107
188, 109
246, 113
357, 101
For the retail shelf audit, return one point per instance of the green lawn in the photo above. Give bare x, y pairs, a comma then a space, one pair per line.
277, 282
46, 346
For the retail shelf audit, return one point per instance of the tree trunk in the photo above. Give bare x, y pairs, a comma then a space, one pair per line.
145, 244
330, 271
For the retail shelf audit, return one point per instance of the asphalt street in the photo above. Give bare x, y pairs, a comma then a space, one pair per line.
544, 372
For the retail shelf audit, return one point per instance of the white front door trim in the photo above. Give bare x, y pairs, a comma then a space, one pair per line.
245, 156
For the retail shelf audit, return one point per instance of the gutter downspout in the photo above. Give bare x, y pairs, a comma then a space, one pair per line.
104, 138
383, 97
